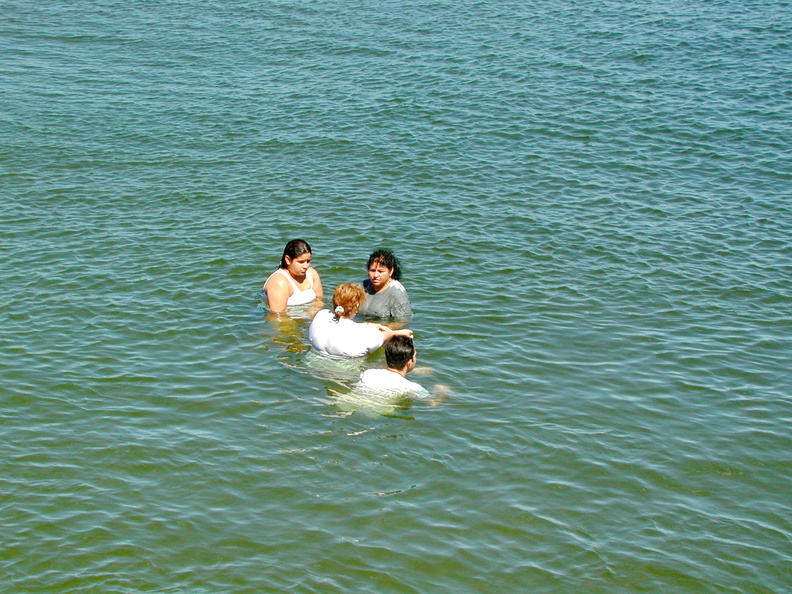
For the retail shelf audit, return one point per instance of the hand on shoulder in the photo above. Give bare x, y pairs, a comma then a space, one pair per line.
390, 332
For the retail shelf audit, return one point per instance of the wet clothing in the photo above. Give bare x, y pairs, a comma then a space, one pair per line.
390, 383
299, 297
341, 337
389, 304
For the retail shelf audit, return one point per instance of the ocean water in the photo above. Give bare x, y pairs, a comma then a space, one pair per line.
592, 204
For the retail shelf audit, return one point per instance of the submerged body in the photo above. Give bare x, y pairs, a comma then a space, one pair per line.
390, 303
341, 337
390, 383
295, 282
298, 296
335, 334
386, 298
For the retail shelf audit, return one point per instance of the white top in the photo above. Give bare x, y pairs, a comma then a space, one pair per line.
298, 297
390, 382
343, 337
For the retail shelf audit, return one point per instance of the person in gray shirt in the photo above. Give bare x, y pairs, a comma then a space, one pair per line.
386, 298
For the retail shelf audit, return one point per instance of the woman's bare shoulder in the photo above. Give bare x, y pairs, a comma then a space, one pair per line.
276, 281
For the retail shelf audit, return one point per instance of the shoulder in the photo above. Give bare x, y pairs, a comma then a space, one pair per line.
366, 329
377, 372
368, 375
321, 325
322, 316
381, 379
388, 381
276, 279
419, 391
397, 294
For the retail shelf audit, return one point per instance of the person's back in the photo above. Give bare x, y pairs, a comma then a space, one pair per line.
336, 334
401, 357
340, 337
391, 382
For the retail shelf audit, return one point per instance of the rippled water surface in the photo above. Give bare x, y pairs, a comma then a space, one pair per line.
591, 201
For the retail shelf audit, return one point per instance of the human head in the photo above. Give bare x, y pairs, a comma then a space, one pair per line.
349, 296
388, 260
296, 247
399, 351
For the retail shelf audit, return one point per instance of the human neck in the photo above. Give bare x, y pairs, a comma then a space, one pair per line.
401, 372
383, 287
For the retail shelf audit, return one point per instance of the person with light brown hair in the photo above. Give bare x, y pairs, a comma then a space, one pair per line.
335, 334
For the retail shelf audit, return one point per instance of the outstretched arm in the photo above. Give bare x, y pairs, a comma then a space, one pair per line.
390, 333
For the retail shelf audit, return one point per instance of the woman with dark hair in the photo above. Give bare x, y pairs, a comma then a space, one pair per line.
335, 334
295, 282
386, 298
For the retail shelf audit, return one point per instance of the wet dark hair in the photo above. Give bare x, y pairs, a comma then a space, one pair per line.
387, 259
398, 351
293, 249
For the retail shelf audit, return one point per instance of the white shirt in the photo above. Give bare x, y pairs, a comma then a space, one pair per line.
390, 382
343, 337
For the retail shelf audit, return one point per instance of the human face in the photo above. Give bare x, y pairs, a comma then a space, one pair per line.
379, 275
298, 267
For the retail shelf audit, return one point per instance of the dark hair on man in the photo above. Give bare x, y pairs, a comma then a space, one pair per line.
387, 259
398, 351
293, 249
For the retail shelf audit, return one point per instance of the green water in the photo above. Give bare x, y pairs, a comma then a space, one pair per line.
591, 201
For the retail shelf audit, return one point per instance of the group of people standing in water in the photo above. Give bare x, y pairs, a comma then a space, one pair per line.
334, 332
